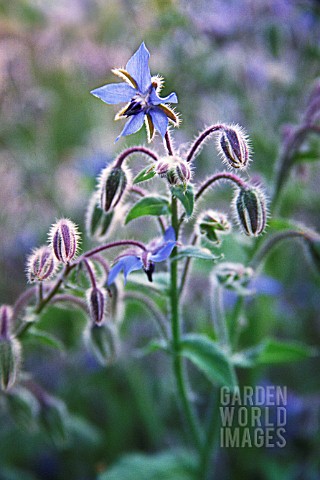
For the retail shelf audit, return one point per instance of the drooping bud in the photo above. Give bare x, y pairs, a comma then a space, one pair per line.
102, 342
96, 299
250, 205
10, 359
234, 276
234, 147
6, 314
176, 170
112, 185
41, 264
212, 222
98, 222
64, 240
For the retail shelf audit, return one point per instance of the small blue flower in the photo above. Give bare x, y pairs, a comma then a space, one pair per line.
156, 252
140, 92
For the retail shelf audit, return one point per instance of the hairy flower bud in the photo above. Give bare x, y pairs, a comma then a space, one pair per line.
64, 240
112, 185
176, 170
96, 299
6, 314
10, 359
251, 210
41, 264
211, 222
233, 146
98, 223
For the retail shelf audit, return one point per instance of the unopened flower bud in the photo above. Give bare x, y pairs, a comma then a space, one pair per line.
233, 146
113, 183
96, 299
251, 210
41, 264
211, 222
234, 276
6, 314
64, 240
10, 359
102, 342
98, 222
176, 170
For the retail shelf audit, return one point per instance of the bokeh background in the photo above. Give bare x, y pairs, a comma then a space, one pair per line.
250, 62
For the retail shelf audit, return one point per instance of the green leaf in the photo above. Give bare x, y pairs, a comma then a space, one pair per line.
196, 252
36, 336
186, 197
273, 351
148, 206
145, 174
152, 347
208, 356
163, 466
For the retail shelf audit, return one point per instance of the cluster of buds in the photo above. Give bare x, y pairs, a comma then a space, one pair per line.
176, 170
233, 146
10, 349
213, 223
250, 206
234, 276
112, 185
41, 264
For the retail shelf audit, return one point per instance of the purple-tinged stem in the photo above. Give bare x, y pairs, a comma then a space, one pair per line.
90, 272
129, 151
70, 299
168, 143
118, 243
221, 176
202, 137
287, 156
23, 300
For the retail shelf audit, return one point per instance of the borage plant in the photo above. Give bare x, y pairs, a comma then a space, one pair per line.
91, 280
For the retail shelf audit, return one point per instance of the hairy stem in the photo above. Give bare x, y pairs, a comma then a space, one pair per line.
118, 243
272, 242
220, 176
153, 308
202, 137
129, 151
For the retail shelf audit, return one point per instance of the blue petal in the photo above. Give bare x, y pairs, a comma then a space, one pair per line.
114, 93
128, 264
163, 252
169, 234
138, 68
159, 120
132, 125
156, 100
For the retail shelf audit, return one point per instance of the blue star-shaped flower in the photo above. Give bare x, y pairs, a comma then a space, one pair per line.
140, 91
156, 252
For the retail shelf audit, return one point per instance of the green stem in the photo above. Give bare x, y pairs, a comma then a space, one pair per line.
176, 333
212, 433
